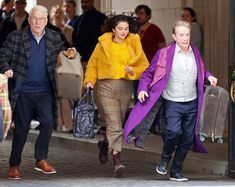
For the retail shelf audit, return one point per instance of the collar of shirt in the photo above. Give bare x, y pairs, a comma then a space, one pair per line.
38, 39
178, 50
68, 21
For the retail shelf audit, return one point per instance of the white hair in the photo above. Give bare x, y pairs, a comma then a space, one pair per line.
40, 8
180, 23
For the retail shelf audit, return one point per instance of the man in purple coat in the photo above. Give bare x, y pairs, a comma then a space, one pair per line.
171, 86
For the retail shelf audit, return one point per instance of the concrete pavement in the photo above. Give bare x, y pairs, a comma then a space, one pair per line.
77, 165
215, 162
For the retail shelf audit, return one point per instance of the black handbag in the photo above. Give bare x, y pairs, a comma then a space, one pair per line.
83, 116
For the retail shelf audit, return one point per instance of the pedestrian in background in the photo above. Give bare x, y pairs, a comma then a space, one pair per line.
70, 10
28, 58
18, 19
152, 38
117, 60
57, 18
173, 84
6, 9
87, 29
189, 15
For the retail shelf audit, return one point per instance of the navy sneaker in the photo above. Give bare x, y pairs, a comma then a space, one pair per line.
178, 177
162, 168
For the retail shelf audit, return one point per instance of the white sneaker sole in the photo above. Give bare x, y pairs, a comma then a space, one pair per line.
162, 173
178, 180
38, 169
14, 178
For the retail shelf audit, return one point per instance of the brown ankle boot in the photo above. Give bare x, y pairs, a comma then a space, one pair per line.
118, 166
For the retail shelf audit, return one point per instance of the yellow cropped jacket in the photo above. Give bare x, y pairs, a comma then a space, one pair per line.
100, 63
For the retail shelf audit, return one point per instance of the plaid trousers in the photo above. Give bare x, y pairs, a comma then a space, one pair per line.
113, 97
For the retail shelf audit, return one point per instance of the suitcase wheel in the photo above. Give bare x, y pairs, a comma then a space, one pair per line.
202, 138
219, 140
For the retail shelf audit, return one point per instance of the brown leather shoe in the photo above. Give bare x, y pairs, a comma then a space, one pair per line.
14, 173
44, 167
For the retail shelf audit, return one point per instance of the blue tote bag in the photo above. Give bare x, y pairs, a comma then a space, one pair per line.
83, 116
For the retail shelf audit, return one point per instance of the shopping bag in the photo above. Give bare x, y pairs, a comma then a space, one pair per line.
83, 116
1, 125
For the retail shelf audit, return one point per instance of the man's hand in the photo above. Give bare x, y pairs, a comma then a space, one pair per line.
70, 53
212, 80
9, 73
142, 95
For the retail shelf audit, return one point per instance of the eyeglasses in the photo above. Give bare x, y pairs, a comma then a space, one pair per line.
35, 19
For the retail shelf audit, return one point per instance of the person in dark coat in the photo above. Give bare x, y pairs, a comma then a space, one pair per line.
28, 58
18, 19
6, 9
70, 9
87, 30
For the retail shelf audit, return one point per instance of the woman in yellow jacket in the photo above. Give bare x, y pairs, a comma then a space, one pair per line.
116, 61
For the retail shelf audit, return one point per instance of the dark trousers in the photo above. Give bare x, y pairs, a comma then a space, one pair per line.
30, 106
135, 90
180, 122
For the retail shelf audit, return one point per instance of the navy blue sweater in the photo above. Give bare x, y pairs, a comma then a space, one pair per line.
37, 78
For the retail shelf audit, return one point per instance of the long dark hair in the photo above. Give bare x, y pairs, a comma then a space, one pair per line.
147, 10
192, 13
112, 22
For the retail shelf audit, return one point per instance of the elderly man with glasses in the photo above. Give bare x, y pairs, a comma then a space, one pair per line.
28, 59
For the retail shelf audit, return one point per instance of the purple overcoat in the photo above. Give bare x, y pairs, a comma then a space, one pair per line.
140, 110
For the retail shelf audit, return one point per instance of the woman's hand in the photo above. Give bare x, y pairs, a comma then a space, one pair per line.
142, 95
130, 70
89, 86
212, 80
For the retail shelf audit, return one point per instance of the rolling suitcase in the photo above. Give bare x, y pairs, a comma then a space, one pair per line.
214, 113
69, 76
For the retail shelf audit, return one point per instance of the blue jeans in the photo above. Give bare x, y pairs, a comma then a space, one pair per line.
180, 122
